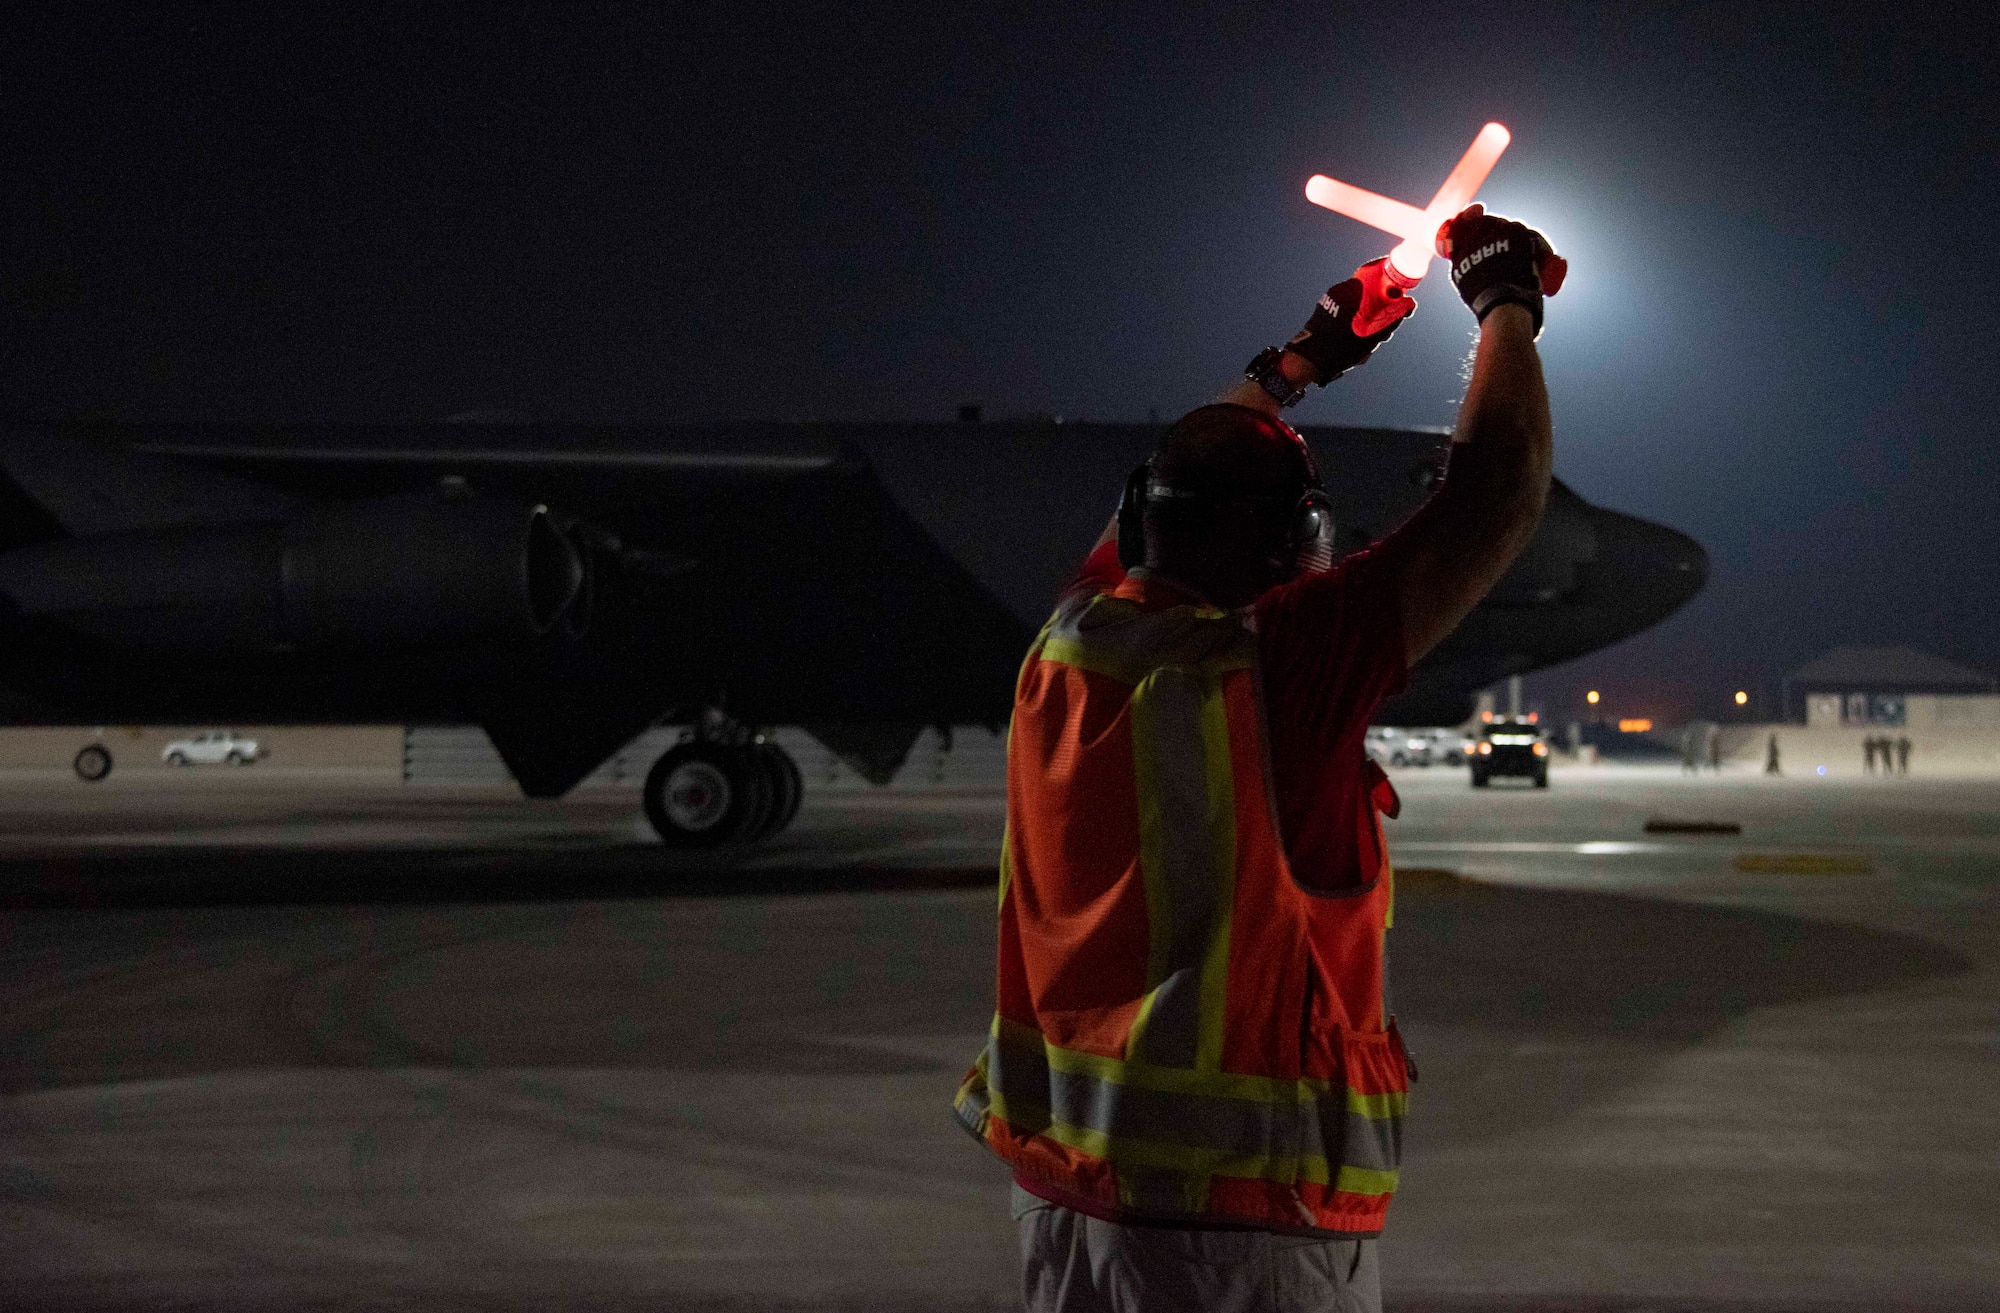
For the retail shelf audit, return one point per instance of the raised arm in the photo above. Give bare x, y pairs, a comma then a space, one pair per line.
1457, 547
1350, 321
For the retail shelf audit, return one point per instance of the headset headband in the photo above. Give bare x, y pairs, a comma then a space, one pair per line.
1141, 487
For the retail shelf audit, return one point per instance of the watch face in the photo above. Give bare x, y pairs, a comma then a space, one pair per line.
1264, 371
1274, 382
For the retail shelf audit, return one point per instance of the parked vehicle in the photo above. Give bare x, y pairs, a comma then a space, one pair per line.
211, 747
1448, 747
1509, 746
1391, 745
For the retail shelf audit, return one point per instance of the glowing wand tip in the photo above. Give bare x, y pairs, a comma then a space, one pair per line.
1411, 259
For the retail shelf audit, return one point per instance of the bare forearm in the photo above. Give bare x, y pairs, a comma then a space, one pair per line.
1493, 494
1297, 370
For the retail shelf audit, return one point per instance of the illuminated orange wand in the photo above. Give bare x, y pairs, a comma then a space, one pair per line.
1409, 262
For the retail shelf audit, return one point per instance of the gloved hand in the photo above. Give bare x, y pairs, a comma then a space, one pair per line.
1497, 261
1351, 320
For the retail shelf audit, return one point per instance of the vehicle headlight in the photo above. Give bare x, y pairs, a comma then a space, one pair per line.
1485, 749
1541, 749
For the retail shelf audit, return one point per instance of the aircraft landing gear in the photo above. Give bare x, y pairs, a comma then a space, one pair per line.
707, 792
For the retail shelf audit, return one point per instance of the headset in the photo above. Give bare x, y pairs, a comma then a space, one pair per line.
1309, 528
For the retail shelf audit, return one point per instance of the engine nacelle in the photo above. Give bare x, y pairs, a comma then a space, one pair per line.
411, 570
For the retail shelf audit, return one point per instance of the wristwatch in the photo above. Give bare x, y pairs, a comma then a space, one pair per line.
1265, 373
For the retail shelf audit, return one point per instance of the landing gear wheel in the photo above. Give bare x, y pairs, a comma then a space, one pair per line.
787, 786
760, 794
93, 763
798, 786
703, 795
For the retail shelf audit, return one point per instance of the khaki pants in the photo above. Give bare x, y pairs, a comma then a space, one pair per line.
1071, 1263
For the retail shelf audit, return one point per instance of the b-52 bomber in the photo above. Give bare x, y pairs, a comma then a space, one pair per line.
567, 587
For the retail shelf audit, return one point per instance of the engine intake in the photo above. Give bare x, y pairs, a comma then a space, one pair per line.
410, 570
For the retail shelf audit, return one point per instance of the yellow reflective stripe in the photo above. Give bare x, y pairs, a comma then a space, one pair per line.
1153, 856
1098, 659
1222, 833
1185, 797
1006, 862
1378, 1107
1112, 637
1166, 1080
1129, 1152
1074, 652
1364, 1180
1177, 1080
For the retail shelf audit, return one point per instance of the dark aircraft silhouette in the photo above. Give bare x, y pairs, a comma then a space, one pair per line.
568, 586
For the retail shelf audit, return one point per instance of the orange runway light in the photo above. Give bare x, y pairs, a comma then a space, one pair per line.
1634, 726
1418, 228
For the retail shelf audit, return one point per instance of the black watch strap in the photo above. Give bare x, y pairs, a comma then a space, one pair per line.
1265, 373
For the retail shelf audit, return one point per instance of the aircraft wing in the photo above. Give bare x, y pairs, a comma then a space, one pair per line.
862, 580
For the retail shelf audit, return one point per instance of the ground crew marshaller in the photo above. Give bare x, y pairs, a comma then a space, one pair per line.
1191, 1070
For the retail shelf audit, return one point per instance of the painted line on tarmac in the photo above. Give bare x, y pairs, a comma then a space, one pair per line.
1594, 848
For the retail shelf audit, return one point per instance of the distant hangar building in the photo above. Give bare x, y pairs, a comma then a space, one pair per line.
1892, 686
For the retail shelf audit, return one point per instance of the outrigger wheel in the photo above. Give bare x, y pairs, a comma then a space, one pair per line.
93, 763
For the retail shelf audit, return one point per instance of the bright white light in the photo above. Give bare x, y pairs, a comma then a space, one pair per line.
1418, 228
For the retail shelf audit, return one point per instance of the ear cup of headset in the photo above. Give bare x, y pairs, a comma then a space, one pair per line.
1313, 550
1132, 517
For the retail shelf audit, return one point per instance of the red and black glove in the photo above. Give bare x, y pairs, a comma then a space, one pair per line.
1351, 320
1498, 261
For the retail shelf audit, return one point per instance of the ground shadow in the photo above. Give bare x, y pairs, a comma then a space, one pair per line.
1553, 962
161, 877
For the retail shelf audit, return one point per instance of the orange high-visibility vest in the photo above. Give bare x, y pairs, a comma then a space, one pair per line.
1171, 1039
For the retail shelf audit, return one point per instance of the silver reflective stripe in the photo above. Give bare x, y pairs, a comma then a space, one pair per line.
1077, 1101
1368, 1143
1187, 823
1236, 1127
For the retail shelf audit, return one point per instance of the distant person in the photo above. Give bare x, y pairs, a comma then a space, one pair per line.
1713, 736
1902, 754
1190, 1052
1691, 750
1771, 764
1868, 755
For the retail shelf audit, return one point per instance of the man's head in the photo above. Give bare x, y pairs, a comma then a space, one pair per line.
1222, 504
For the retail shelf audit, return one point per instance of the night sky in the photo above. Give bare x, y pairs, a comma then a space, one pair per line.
1780, 219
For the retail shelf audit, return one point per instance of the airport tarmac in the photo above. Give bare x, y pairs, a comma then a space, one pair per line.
367, 1047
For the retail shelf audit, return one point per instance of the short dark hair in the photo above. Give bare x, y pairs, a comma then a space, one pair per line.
1226, 450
